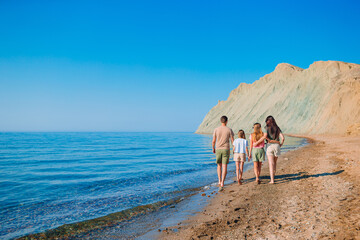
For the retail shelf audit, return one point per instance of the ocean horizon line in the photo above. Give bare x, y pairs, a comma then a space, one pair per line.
97, 131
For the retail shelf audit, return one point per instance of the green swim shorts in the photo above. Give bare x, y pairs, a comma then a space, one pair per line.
222, 156
258, 154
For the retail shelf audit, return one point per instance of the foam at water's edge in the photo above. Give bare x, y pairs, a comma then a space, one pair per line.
74, 229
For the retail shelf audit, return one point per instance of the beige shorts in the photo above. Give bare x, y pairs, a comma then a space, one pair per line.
239, 157
273, 149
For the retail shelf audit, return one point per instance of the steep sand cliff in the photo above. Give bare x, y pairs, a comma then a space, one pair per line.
325, 98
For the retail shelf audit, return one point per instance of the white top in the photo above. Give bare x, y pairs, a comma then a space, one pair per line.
240, 145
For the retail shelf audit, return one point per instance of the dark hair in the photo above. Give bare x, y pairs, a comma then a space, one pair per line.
223, 119
272, 127
242, 134
256, 124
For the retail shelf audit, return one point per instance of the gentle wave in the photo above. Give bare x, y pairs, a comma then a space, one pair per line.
76, 230
51, 179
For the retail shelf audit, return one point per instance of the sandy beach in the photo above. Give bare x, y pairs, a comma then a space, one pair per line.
316, 196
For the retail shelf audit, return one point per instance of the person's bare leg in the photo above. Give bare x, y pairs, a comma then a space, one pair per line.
241, 170
275, 161
259, 170
256, 171
271, 167
237, 171
219, 165
224, 172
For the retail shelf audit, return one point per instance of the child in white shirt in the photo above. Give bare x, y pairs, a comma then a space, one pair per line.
239, 150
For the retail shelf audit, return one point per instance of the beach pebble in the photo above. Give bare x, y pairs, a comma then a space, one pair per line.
202, 235
286, 158
203, 194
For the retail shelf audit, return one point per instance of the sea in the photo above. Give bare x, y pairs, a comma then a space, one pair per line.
48, 179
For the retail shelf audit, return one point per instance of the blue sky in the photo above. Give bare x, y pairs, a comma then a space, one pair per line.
153, 65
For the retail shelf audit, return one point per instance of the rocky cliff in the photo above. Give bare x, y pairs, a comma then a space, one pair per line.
323, 99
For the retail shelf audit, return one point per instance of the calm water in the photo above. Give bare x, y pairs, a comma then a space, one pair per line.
50, 179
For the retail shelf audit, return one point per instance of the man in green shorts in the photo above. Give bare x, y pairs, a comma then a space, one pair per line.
221, 137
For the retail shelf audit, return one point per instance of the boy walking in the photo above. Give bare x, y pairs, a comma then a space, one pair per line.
221, 137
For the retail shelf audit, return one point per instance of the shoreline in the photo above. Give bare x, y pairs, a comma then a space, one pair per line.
164, 211
316, 196
96, 226
150, 218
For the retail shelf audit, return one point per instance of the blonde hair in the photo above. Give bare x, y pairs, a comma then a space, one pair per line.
241, 134
257, 134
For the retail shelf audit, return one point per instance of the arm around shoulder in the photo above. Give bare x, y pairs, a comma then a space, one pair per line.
261, 139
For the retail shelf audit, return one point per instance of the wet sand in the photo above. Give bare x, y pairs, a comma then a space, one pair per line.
316, 196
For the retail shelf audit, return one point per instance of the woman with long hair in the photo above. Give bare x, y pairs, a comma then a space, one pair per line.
273, 135
257, 152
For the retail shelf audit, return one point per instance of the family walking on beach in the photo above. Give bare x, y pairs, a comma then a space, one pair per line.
221, 147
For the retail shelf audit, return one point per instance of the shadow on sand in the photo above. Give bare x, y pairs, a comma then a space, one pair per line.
294, 177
